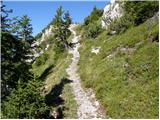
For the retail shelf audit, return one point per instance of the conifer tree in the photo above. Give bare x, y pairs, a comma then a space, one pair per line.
67, 22
25, 102
14, 53
21, 93
61, 31
8, 52
25, 29
67, 19
4, 18
94, 16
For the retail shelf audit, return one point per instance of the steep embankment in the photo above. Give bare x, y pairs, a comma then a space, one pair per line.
51, 68
124, 73
88, 106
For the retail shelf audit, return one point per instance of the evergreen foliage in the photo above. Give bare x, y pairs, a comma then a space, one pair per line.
61, 31
8, 53
140, 11
94, 16
25, 29
25, 102
4, 18
92, 25
21, 93
13, 56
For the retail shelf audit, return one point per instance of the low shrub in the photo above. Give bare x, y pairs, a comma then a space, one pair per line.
41, 60
93, 30
120, 25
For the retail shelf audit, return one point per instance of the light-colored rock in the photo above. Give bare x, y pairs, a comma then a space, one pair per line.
112, 32
95, 50
110, 56
47, 46
96, 103
45, 35
112, 11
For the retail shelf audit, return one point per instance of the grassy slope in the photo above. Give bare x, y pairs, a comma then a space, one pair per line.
127, 82
53, 78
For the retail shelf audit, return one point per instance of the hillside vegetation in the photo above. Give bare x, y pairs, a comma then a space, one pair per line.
124, 74
119, 63
39, 88
51, 68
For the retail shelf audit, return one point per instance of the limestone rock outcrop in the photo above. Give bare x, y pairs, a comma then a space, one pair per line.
112, 11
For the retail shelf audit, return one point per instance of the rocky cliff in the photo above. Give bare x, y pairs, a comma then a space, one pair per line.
37, 51
112, 11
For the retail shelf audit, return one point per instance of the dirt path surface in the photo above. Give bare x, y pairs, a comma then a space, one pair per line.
88, 106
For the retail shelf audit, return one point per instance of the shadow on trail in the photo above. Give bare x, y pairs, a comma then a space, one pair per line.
54, 99
46, 72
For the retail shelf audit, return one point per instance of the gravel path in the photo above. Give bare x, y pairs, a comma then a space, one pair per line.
88, 106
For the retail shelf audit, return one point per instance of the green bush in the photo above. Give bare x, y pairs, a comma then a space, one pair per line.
94, 16
93, 30
140, 11
38, 62
41, 59
120, 25
91, 26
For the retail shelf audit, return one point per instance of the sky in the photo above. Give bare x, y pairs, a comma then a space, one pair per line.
42, 12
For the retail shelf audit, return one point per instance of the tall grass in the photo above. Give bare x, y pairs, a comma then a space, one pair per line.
127, 82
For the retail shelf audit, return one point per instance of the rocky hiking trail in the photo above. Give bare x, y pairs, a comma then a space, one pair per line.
88, 106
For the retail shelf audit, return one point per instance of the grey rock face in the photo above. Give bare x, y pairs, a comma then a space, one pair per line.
112, 11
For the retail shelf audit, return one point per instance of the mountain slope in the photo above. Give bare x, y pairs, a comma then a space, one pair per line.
118, 64
124, 74
50, 67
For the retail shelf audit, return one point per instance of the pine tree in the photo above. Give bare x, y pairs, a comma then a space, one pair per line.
25, 102
67, 22
4, 18
23, 49
61, 31
67, 19
94, 16
25, 35
21, 94
13, 55
25, 29
8, 44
